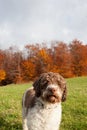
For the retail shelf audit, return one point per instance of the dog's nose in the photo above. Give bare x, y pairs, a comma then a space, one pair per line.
52, 90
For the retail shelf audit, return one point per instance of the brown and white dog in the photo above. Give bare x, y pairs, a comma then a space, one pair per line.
42, 103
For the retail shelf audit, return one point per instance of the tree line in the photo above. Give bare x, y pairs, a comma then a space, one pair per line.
70, 60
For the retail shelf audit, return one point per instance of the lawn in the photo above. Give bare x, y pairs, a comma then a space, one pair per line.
74, 115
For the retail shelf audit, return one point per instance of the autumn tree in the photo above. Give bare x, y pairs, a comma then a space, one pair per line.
2, 71
79, 58
2, 75
30, 60
28, 70
62, 59
1, 58
11, 65
22, 66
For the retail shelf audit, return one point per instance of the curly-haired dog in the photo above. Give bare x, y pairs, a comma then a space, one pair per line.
42, 103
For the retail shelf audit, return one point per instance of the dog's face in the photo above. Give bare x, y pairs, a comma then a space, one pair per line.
51, 87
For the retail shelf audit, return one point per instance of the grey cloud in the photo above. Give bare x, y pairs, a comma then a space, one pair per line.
29, 21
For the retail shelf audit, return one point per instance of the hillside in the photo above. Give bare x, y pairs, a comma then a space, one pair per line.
74, 115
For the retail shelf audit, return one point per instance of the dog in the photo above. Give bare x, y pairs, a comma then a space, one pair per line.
41, 104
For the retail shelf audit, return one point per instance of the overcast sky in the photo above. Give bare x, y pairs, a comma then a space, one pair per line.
36, 21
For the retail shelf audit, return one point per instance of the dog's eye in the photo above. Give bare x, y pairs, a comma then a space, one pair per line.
59, 84
44, 85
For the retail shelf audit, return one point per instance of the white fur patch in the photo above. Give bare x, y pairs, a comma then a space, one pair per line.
52, 86
43, 118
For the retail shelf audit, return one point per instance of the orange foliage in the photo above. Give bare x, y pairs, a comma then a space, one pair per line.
2, 75
28, 70
62, 59
79, 58
67, 59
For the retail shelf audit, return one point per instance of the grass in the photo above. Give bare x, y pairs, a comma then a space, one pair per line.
74, 116
10, 106
75, 108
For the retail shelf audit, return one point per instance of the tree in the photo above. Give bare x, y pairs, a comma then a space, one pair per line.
11, 65
79, 58
28, 70
62, 59
2, 75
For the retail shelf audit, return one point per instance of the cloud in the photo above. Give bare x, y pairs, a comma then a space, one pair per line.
30, 21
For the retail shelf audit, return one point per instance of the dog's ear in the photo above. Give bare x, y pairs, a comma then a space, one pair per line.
64, 94
36, 86
62, 83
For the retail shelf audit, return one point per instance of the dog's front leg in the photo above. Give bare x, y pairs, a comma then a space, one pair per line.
25, 127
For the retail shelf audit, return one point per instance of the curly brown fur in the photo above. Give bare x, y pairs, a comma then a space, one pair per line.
50, 78
42, 103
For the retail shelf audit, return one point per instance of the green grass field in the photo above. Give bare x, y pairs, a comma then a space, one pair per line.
74, 116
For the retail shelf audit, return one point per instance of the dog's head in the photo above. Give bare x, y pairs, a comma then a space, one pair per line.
51, 87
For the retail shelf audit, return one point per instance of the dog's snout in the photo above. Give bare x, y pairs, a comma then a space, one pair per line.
52, 90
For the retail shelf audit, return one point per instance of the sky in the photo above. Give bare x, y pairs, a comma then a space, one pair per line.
25, 22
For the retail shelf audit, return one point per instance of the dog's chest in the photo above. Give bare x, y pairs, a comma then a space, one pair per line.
40, 118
